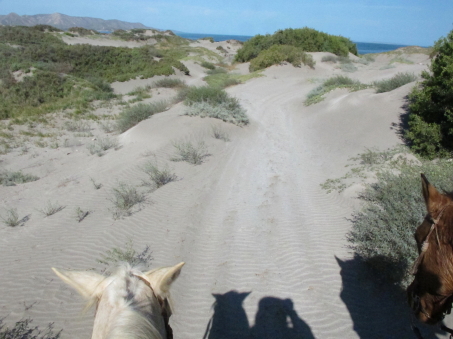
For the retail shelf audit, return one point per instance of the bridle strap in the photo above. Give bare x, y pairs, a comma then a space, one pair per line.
425, 244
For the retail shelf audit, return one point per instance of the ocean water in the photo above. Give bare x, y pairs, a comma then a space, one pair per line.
362, 47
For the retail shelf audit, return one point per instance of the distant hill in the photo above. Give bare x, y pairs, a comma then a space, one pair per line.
64, 22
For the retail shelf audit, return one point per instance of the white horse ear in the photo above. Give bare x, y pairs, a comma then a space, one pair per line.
161, 278
88, 284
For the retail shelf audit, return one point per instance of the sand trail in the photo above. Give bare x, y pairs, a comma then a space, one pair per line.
257, 232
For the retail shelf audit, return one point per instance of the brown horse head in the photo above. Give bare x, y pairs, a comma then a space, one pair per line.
431, 293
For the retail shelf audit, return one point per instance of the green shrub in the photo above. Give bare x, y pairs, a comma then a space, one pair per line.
276, 54
124, 198
212, 95
157, 176
11, 218
398, 80
116, 256
383, 230
8, 178
169, 83
228, 111
306, 39
101, 145
192, 153
133, 115
51, 208
207, 65
430, 131
339, 81
216, 70
222, 80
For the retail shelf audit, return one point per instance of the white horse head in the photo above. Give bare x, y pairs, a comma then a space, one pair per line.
129, 303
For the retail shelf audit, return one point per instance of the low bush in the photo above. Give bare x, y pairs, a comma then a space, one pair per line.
219, 133
231, 112
117, 255
9, 178
339, 81
216, 70
222, 80
51, 208
192, 153
169, 83
157, 176
277, 54
11, 218
133, 115
212, 95
393, 206
306, 39
207, 65
101, 145
124, 198
398, 80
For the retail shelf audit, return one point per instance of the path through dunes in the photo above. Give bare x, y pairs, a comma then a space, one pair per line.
255, 229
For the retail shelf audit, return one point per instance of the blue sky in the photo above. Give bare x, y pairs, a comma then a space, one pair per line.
410, 22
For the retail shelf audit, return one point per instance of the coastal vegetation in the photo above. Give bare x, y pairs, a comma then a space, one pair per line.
383, 228
305, 39
39, 73
339, 81
430, 131
277, 54
214, 102
317, 94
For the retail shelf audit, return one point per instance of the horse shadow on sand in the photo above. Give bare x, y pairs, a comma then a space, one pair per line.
275, 319
377, 309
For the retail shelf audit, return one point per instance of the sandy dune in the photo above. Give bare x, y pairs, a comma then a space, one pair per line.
255, 229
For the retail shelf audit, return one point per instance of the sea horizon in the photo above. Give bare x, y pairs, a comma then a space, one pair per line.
362, 47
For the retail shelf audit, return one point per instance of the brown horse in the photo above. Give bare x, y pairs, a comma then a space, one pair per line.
129, 304
431, 293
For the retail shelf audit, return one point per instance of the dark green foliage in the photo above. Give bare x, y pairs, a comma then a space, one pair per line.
307, 39
212, 95
133, 115
398, 80
22, 330
169, 83
276, 54
431, 105
207, 65
90, 69
383, 230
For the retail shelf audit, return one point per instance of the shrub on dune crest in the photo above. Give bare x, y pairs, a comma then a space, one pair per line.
280, 53
398, 80
133, 115
339, 81
214, 102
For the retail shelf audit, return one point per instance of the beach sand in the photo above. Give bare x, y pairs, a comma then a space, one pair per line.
257, 232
